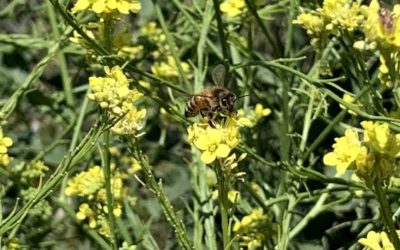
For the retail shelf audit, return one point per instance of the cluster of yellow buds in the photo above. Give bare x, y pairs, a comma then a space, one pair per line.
5, 143
113, 94
152, 32
168, 69
382, 25
233, 7
377, 241
108, 6
90, 185
254, 115
373, 158
350, 99
214, 142
33, 170
252, 228
334, 15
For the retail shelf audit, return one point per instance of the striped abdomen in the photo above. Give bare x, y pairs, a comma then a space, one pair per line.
197, 103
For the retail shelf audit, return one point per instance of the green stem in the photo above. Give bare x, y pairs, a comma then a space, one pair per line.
222, 182
386, 214
66, 81
105, 158
221, 33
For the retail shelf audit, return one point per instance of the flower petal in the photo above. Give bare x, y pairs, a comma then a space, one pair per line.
208, 157
223, 151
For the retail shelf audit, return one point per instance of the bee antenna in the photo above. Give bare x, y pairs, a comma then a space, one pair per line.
242, 96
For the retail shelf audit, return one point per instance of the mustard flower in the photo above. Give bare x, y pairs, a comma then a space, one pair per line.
86, 183
312, 23
382, 25
126, 246
169, 69
131, 123
350, 99
384, 75
113, 93
5, 142
250, 118
233, 7
233, 196
345, 151
377, 241
212, 145
373, 158
90, 185
379, 138
343, 14
214, 142
152, 32
252, 228
108, 6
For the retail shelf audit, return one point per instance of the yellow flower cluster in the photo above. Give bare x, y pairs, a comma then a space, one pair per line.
377, 241
5, 143
334, 15
254, 115
251, 229
169, 69
108, 6
90, 185
382, 25
152, 32
373, 158
214, 142
384, 75
113, 94
233, 7
350, 99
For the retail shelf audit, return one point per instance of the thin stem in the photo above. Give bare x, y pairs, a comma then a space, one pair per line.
221, 33
66, 81
222, 182
386, 214
105, 158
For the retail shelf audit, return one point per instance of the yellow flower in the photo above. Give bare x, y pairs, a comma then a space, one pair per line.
342, 13
233, 7
384, 75
382, 25
312, 23
250, 118
113, 92
86, 183
349, 99
252, 228
108, 6
233, 196
345, 151
378, 137
132, 122
377, 241
169, 69
152, 32
5, 142
84, 211
212, 146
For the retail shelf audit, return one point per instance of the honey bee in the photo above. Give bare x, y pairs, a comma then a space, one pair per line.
212, 101
386, 19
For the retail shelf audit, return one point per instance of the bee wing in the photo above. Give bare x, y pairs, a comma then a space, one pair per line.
218, 75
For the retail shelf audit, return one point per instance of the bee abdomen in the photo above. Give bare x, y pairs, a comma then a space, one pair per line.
191, 108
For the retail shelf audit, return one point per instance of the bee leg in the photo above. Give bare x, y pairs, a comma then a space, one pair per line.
209, 116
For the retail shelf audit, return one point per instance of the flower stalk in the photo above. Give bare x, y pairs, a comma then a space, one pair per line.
386, 214
222, 183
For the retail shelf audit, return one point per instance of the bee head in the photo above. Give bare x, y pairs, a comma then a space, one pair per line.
227, 101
